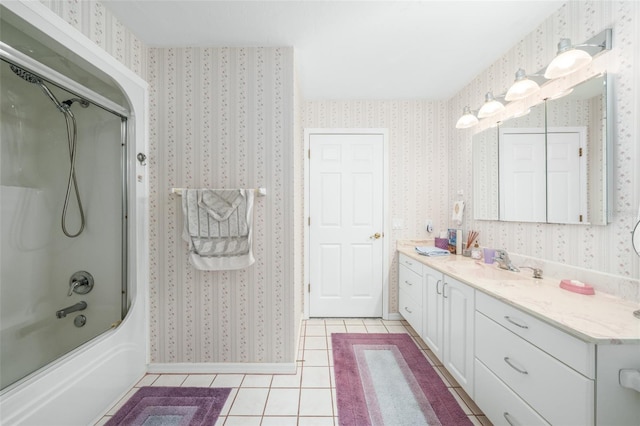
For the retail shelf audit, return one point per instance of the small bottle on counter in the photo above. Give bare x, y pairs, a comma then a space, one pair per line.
476, 253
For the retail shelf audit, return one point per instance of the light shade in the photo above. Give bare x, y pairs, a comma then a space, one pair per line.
490, 107
522, 87
561, 94
567, 61
467, 120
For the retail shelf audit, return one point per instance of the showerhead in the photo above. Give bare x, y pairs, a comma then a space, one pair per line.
26, 75
31, 78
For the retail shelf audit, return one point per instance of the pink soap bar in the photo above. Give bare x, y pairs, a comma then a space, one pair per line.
568, 285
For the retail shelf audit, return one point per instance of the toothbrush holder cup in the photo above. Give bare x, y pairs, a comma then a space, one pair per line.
489, 254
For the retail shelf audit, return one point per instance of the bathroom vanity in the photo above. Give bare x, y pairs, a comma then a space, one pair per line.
527, 351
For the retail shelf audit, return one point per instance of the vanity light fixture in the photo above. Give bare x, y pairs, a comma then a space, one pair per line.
467, 120
522, 113
490, 106
561, 94
568, 60
522, 87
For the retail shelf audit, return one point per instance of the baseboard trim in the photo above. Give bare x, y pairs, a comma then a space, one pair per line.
394, 316
223, 368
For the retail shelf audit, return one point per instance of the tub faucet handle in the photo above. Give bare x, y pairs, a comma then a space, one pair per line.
81, 283
73, 285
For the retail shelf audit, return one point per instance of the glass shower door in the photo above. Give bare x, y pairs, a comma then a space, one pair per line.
41, 317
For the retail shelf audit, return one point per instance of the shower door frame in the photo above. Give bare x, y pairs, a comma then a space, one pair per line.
12, 56
107, 366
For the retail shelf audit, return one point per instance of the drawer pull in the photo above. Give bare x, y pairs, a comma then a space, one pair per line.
408, 263
407, 309
506, 359
509, 420
407, 282
438, 286
515, 323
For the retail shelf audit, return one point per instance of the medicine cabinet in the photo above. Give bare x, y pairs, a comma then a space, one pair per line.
551, 165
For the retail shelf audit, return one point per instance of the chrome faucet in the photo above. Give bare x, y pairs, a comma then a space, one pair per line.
80, 306
537, 272
502, 257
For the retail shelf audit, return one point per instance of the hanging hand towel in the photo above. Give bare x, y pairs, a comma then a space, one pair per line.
218, 228
458, 210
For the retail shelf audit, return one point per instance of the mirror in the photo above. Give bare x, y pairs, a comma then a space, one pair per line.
583, 110
522, 178
485, 174
550, 165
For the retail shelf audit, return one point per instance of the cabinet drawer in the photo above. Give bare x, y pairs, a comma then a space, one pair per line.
411, 283
499, 403
414, 265
561, 395
411, 310
574, 352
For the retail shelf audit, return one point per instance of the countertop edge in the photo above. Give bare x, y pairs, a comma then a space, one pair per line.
434, 262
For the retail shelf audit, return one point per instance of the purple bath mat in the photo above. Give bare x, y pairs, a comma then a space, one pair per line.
384, 379
171, 406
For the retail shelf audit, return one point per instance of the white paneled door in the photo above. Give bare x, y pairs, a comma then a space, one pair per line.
346, 225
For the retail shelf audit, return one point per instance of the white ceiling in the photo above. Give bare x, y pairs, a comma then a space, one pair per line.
351, 49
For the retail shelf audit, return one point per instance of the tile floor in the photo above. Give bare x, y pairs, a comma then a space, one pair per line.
306, 398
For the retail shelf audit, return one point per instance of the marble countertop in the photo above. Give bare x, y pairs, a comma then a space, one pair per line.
599, 318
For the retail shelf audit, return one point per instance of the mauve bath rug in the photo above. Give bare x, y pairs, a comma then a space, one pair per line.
384, 379
171, 406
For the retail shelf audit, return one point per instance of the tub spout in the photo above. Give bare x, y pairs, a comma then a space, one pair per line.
80, 306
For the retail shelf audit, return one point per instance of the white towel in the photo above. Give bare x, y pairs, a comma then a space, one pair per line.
458, 211
218, 228
432, 251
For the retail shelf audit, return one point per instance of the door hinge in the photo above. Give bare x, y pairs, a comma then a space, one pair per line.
309, 153
579, 152
580, 218
309, 221
309, 288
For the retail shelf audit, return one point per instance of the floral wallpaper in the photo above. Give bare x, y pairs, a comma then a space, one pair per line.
222, 118
602, 254
227, 117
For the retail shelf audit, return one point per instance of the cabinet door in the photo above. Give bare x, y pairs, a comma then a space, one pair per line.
410, 297
459, 309
433, 324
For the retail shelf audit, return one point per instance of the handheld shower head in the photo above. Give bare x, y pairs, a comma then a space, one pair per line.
25, 75
32, 78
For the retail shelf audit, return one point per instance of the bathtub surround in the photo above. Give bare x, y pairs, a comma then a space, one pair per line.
75, 388
430, 161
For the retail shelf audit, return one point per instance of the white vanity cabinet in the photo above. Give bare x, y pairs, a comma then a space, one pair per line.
433, 334
448, 326
410, 292
547, 375
535, 356
458, 336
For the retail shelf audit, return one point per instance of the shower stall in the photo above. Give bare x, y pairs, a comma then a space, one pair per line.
71, 327
62, 220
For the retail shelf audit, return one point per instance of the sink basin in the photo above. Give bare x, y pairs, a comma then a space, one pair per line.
491, 272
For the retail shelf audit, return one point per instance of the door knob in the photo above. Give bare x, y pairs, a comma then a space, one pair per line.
375, 236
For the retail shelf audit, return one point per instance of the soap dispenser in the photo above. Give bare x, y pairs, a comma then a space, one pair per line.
476, 253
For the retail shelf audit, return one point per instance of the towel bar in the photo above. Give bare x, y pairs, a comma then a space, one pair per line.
260, 192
